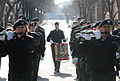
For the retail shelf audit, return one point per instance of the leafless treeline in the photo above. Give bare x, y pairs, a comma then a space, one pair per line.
94, 10
29, 8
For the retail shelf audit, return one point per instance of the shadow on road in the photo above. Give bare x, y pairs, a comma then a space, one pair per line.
2, 79
62, 75
42, 79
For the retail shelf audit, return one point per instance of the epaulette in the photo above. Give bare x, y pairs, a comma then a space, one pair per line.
115, 37
29, 36
34, 34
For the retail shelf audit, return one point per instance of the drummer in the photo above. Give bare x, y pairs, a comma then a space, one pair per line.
56, 36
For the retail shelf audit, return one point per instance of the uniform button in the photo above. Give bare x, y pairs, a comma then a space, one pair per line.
81, 42
32, 51
22, 38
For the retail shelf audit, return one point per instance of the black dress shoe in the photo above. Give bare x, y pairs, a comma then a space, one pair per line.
58, 71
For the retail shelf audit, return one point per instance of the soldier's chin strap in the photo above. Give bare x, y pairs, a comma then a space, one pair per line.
105, 33
20, 33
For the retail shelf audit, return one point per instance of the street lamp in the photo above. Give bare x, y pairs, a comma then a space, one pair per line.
36, 12
36, 9
39, 11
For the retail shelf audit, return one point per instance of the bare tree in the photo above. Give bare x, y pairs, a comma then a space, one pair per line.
10, 8
118, 5
2, 6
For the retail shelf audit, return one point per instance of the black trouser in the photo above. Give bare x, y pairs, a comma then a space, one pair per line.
78, 69
56, 63
36, 67
20, 77
0, 63
109, 76
83, 70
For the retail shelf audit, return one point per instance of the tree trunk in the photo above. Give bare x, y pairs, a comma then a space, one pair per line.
17, 10
2, 6
7, 16
118, 5
11, 7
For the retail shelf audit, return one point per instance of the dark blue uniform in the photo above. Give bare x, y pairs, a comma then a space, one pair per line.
20, 52
37, 54
101, 58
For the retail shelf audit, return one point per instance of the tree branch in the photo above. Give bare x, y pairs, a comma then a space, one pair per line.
115, 14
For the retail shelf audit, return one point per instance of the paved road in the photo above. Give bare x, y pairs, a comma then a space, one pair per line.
67, 70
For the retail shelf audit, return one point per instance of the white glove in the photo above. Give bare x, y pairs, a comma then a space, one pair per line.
66, 39
71, 52
2, 35
9, 35
74, 60
77, 35
97, 34
117, 55
85, 36
51, 42
42, 58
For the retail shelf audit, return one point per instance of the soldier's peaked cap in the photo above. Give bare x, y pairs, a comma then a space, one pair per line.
106, 22
20, 22
33, 24
35, 19
56, 23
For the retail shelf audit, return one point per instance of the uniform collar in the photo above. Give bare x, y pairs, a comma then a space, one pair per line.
16, 37
57, 30
103, 39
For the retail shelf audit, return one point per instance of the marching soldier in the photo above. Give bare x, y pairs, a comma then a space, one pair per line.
37, 54
41, 32
55, 36
20, 48
74, 46
117, 32
101, 53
